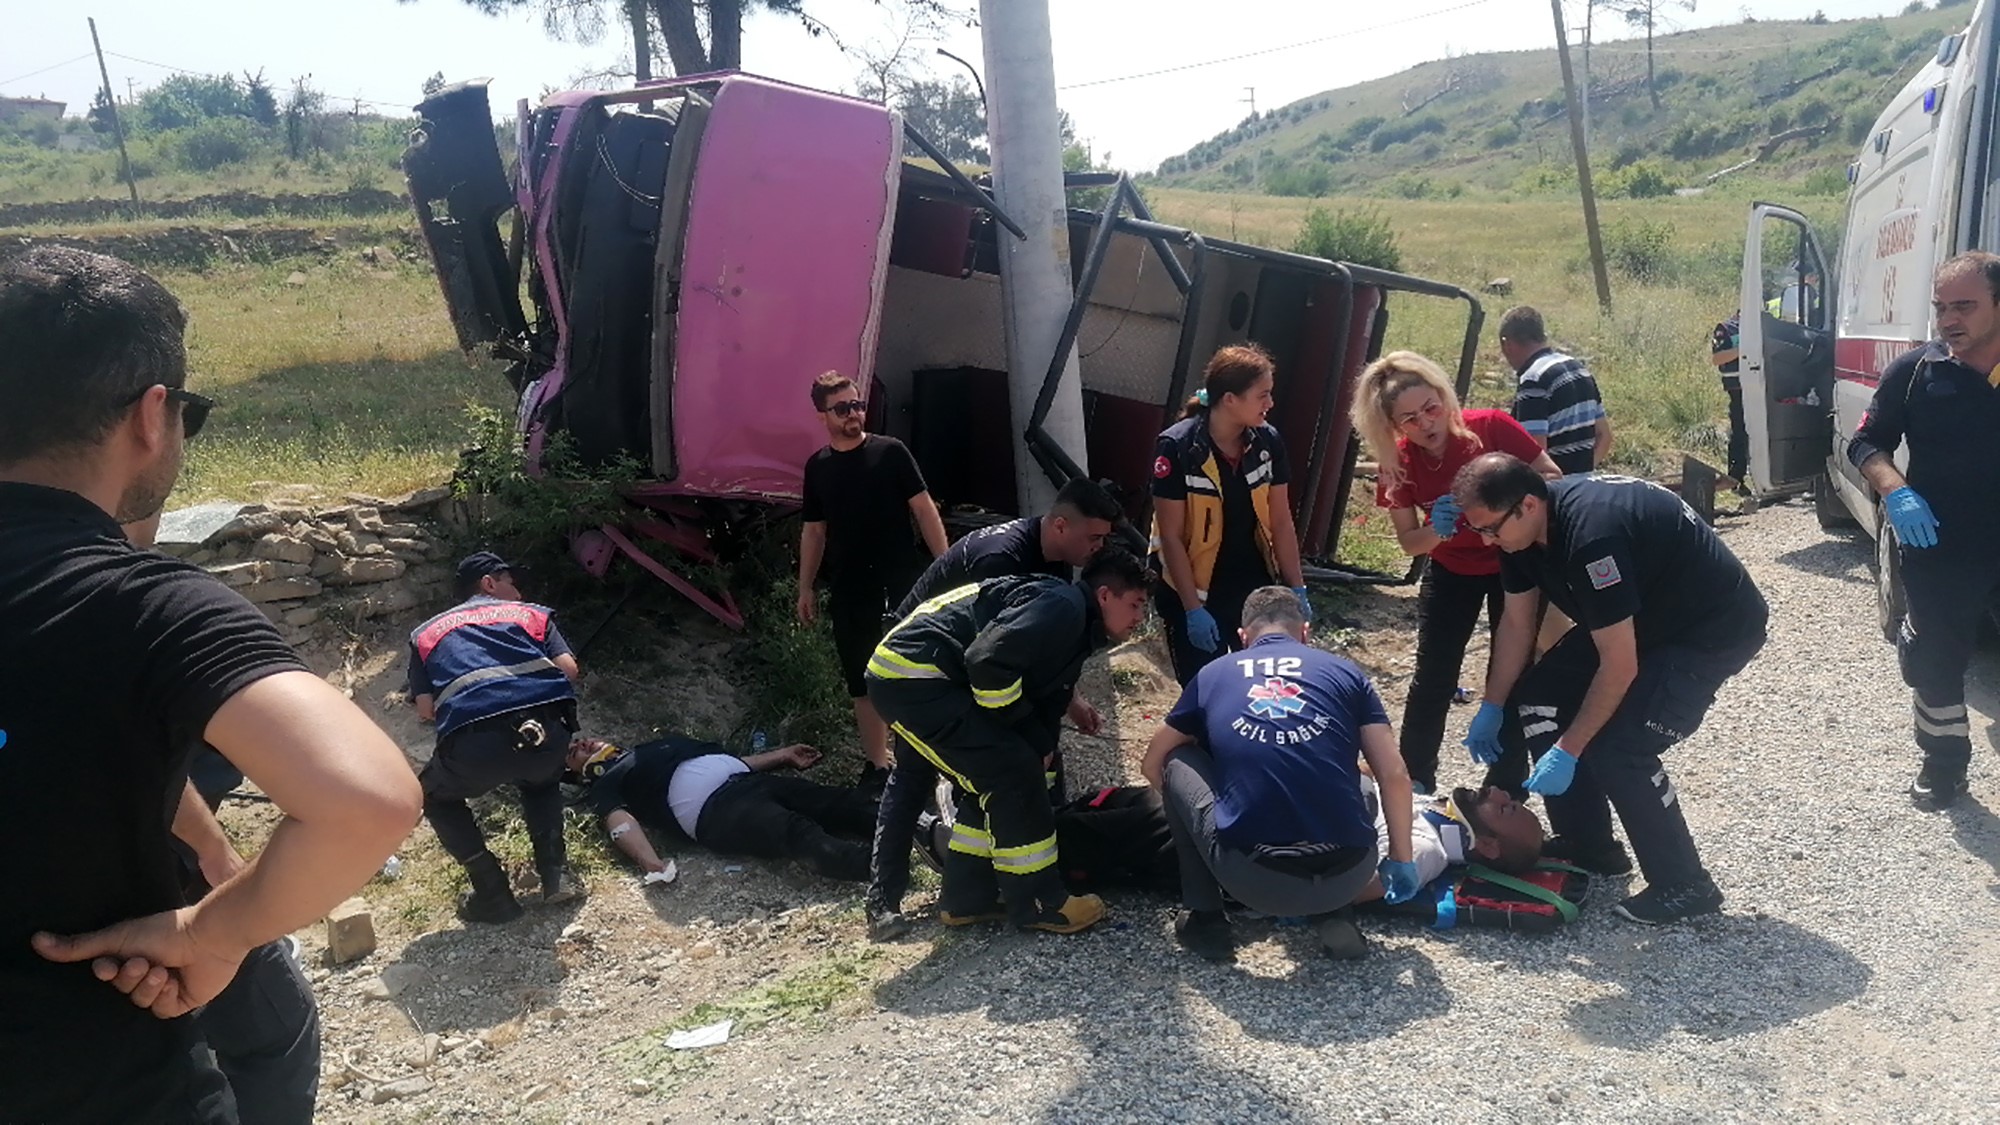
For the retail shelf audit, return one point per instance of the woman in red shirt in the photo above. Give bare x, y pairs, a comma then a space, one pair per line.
1406, 411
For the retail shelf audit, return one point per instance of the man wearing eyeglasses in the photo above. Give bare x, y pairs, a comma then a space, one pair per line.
118, 664
1664, 615
861, 492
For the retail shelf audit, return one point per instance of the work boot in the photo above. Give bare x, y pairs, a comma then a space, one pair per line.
997, 912
1074, 915
558, 885
1608, 858
1938, 787
491, 900
1657, 906
1207, 934
885, 924
1339, 936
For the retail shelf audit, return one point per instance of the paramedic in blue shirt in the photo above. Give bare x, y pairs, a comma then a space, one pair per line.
1260, 767
494, 673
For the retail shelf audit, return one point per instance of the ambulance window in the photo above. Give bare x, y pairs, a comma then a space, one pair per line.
1948, 49
1794, 278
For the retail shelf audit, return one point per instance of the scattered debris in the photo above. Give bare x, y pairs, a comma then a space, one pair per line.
694, 1038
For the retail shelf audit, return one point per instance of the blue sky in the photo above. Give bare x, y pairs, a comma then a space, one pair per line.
382, 50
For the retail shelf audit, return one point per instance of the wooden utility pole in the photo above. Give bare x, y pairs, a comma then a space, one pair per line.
117, 129
1582, 164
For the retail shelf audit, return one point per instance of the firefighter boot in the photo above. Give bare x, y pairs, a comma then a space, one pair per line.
971, 891
491, 900
1041, 902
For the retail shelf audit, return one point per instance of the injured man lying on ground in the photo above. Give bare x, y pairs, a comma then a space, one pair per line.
1483, 826
697, 791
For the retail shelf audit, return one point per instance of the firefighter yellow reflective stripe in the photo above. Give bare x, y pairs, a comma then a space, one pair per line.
889, 665
997, 697
971, 841
1049, 780
1026, 859
931, 756
956, 594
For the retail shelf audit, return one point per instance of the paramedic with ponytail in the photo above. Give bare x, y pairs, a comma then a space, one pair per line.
1407, 412
1222, 513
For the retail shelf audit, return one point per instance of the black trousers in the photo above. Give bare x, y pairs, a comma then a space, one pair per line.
1949, 587
1448, 606
772, 816
911, 783
1739, 432
264, 1030
480, 757
1004, 842
1621, 769
1225, 605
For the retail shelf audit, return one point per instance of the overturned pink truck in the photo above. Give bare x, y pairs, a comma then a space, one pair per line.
697, 249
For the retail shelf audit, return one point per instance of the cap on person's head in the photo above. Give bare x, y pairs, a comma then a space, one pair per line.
476, 566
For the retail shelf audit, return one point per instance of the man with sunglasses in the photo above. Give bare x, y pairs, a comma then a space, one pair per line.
1664, 615
861, 492
127, 661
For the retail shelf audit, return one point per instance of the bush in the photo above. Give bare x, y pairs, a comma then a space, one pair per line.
1360, 129
214, 143
1363, 237
1826, 181
1299, 180
1640, 180
1502, 135
1639, 249
1408, 129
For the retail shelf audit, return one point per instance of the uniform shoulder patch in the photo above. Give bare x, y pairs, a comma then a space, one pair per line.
1603, 573
1162, 467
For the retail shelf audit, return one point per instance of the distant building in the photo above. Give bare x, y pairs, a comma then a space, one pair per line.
29, 110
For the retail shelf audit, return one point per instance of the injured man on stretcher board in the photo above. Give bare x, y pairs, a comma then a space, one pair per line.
1485, 826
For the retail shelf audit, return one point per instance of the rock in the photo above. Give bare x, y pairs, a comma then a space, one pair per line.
302, 616
421, 498
452, 1043
638, 1086
231, 552
249, 525
353, 542
361, 571
701, 950
1500, 285
575, 931
400, 1088
320, 537
270, 568
374, 549
200, 558
399, 531
282, 589
282, 548
409, 550
538, 1092
295, 279
237, 575
394, 981
325, 565
382, 601
423, 1053
350, 932
364, 519
197, 524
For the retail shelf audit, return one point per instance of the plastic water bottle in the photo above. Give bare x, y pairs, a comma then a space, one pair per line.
758, 741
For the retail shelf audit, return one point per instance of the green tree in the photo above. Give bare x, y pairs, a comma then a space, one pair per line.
262, 100
950, 114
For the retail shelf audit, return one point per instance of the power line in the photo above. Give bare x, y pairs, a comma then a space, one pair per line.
1275, 50
46, 69
205, 74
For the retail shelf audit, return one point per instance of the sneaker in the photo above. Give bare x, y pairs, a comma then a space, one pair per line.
1076, 914
488, 909
1340, 937
887, 925
1657, 906
994, 913
1207, 934
1937, 787
1609, 858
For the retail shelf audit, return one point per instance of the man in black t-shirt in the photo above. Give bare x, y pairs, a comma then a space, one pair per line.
861, 492
698, 791
1076, 527
129, 661
1664, 615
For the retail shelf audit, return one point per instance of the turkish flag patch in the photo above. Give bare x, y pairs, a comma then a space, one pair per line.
1161, 468
1603, 573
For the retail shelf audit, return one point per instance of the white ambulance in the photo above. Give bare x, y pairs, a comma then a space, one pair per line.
1815, 340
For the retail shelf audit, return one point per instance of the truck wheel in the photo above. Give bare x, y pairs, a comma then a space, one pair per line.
1827, 508
1890, 604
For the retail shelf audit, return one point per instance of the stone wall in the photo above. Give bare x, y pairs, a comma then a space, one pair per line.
317, 572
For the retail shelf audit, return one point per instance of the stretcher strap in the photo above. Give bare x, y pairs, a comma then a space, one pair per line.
1541, 894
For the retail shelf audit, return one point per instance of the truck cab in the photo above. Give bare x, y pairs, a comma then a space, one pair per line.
1925, 186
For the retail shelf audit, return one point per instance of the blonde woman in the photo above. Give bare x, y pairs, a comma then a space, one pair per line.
1407, 412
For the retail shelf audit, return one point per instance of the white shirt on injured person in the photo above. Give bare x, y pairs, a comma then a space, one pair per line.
1434, 846
695, 782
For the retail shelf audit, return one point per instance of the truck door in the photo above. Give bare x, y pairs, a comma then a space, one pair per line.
1787, 348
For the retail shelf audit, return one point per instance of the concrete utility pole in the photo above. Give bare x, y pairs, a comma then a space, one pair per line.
1034, 272
1582, 164
117, 129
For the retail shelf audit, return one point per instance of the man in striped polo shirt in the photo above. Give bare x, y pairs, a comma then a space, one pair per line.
1555, 399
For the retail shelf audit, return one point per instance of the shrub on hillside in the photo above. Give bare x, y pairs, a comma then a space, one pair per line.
214, 143
1408, 129
1639, 249
1503, 135
1640, 180
1363, 237
1359, 130
1825, 181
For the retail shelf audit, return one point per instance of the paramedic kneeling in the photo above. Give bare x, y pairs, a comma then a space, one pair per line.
1664, 615
1259, 763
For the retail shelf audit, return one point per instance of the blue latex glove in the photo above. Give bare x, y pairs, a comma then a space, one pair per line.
1484, 737
1444, 516
1305, 602
1553, 773
1912, 518
1399, 880
1201, 630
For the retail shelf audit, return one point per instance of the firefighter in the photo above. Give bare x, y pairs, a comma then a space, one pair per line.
495, 674
1222, 512
1942, 399
976, 681
1665, 614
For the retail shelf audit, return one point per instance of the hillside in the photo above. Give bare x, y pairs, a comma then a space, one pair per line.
1495, 123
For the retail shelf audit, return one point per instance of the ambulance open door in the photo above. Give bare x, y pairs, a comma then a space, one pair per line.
1786, 344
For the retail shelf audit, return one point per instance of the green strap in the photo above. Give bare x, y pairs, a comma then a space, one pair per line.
1563, 906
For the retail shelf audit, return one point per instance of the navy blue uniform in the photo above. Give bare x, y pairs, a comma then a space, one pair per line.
1949, 414
1011, 549
1621, 549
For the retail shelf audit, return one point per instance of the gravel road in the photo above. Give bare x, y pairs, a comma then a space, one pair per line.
1852, 977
